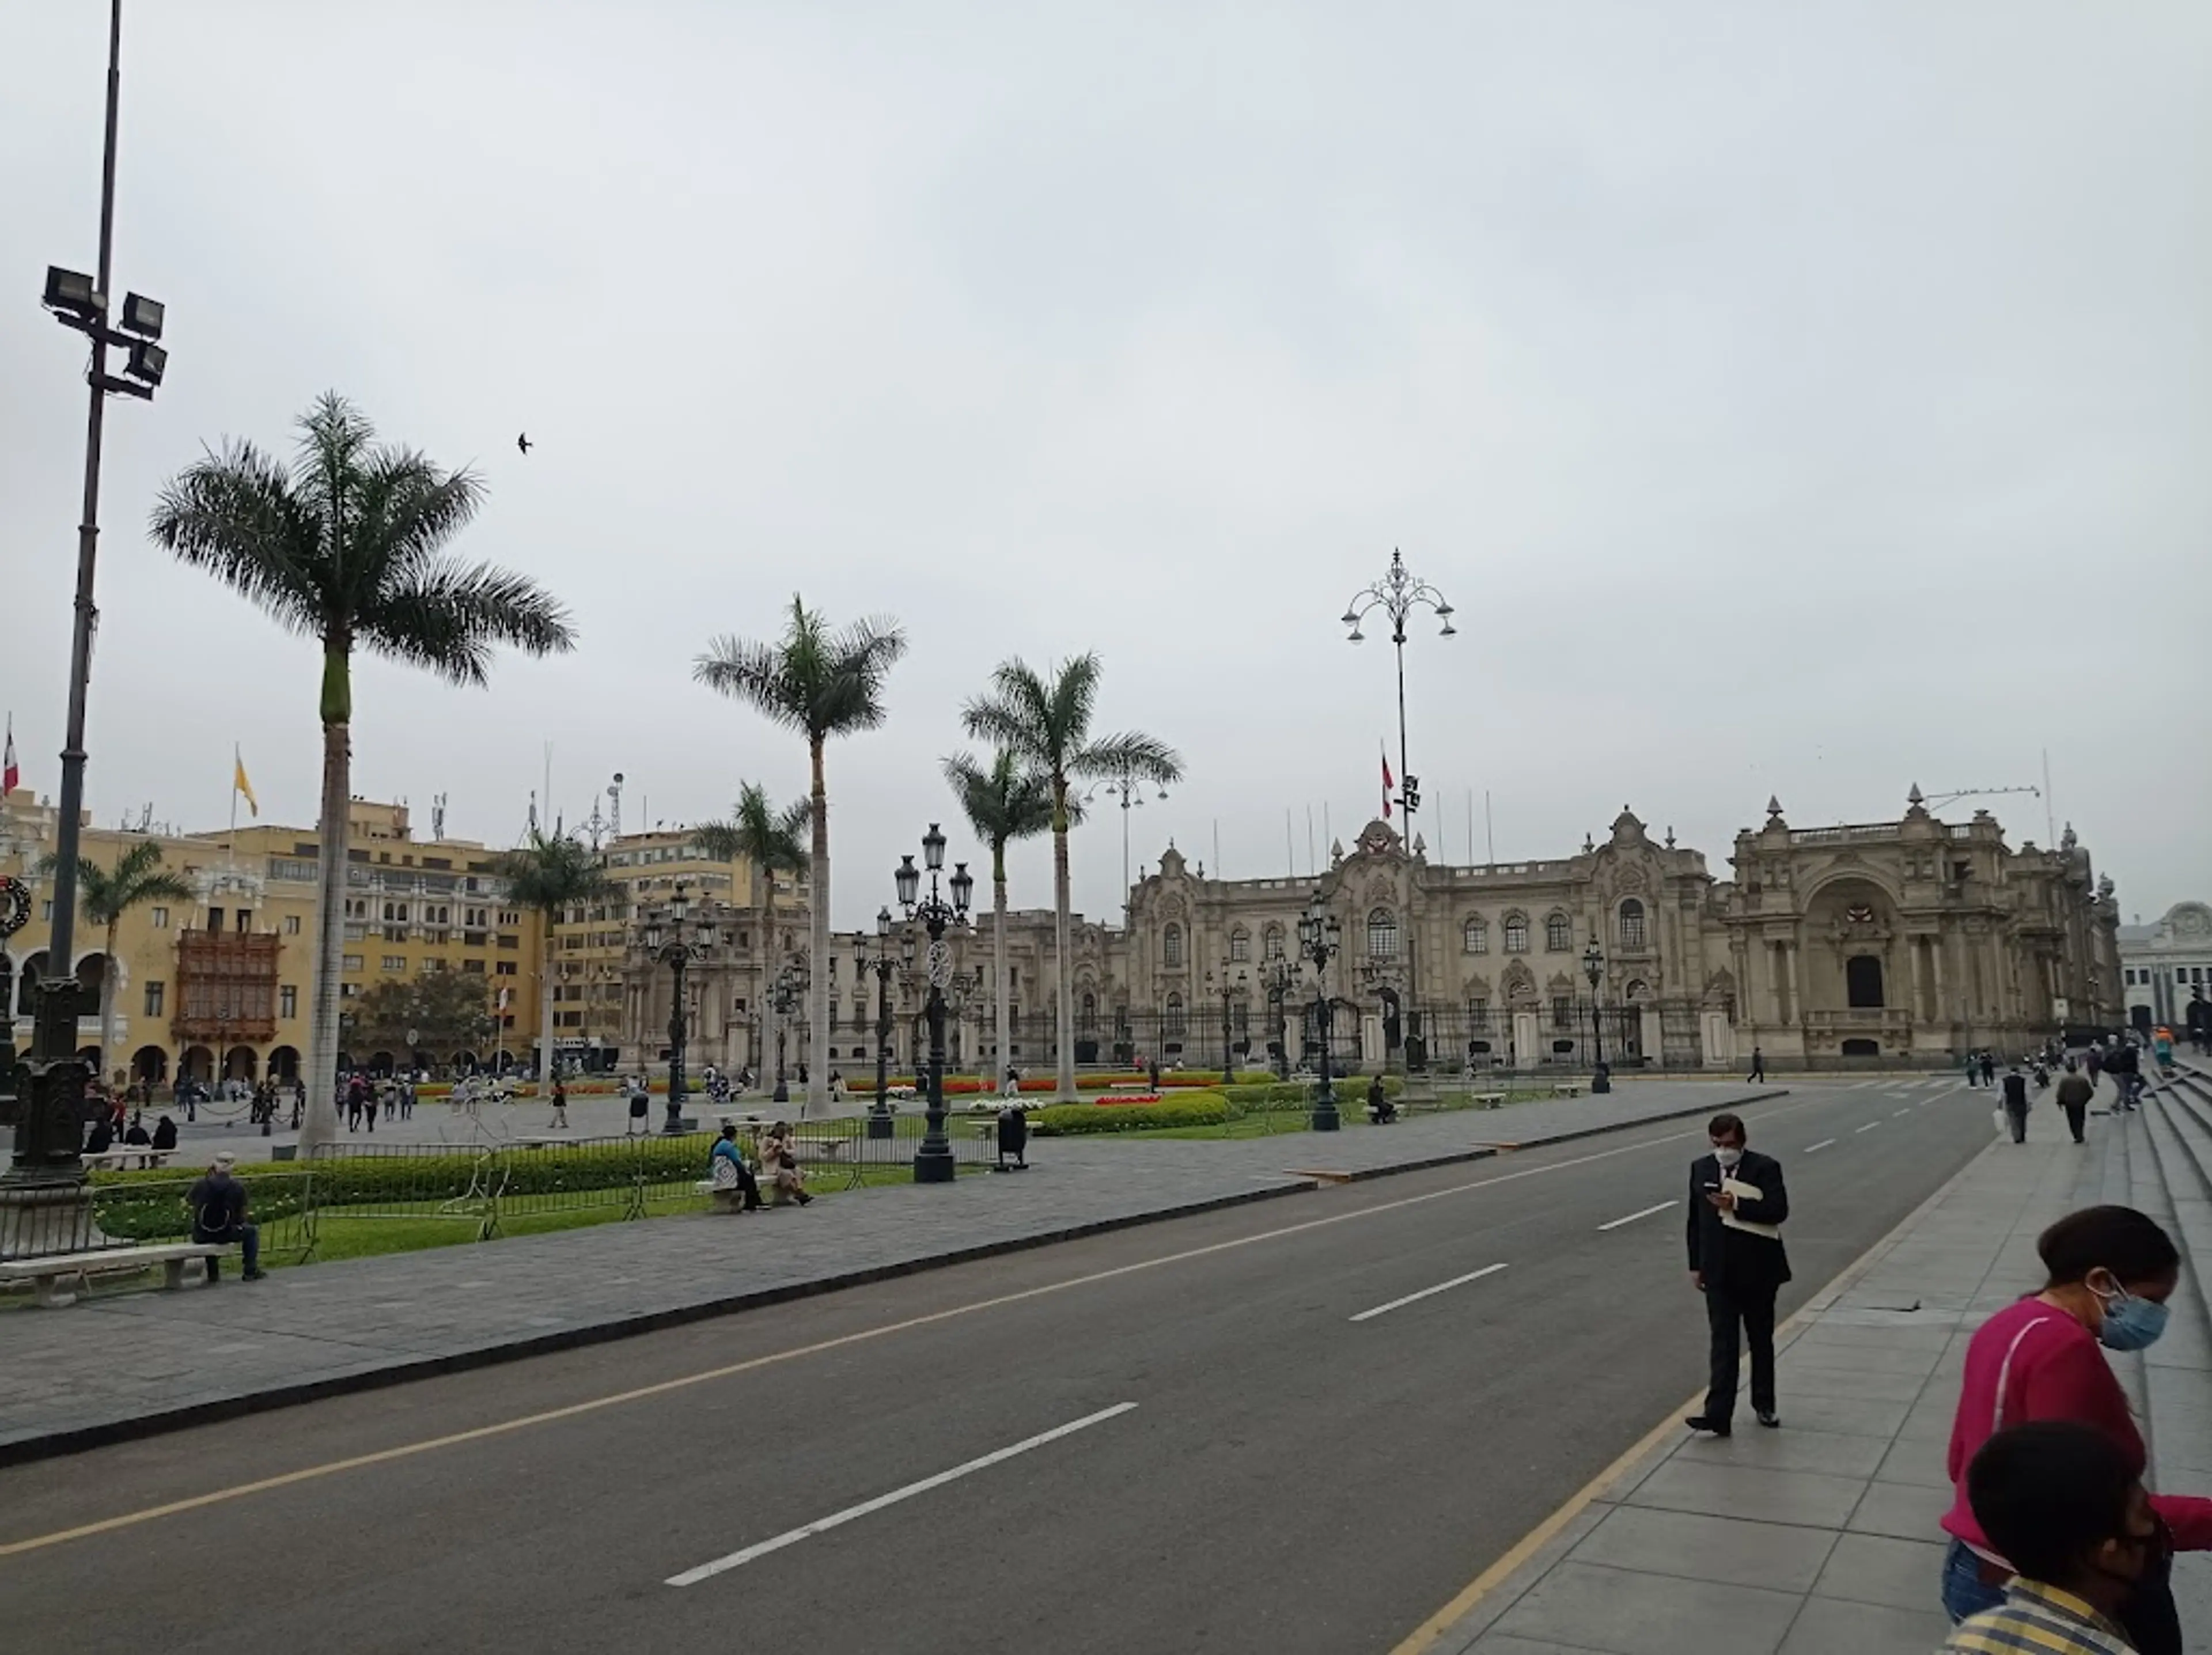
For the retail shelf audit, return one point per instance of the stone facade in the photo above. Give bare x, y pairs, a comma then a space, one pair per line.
2165, 969
1913, 938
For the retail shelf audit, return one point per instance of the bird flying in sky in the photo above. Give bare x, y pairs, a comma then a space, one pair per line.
523, 442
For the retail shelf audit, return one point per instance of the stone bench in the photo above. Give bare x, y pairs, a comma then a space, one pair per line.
121, 1158
1488, 1099
1568, 1089
46, 1276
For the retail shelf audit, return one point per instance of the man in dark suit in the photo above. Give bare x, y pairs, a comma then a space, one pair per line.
1738, 1270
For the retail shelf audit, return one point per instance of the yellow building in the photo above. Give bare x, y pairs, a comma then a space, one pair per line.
220, 987
590, 943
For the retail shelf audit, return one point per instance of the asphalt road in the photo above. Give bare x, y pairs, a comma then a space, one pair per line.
1288, 1434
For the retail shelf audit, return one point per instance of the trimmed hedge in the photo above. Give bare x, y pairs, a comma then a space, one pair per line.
1067, 1120
359, 1180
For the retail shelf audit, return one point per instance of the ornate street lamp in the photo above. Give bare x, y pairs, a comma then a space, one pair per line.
934, 1162
787, 994
880, 1125
1229, 992
1281, 975
1320, 939
682, 947
1594, 969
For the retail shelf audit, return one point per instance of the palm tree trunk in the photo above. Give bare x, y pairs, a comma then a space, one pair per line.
319, 1120
765, 898
817, 1009
999, 959
545, 1016
1064, 986
107, 1005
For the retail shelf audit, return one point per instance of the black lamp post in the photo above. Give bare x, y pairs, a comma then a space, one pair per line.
677, 954
1594, 969
1281, 974
880, 1118
932, 1162
787, 995
50, 1118
1229, 992
1320, 937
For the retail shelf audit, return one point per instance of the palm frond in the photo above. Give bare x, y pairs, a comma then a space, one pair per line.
447, 616
818, 682
414, 510
236, 514
747, 670
1003, 802
1132, 753
757, 832
551, 871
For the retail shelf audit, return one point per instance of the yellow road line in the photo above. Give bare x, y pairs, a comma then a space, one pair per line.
454, 1439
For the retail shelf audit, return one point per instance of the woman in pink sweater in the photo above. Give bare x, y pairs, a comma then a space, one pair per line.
2111, 1272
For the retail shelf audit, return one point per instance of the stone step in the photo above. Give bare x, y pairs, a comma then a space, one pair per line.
2177, 1370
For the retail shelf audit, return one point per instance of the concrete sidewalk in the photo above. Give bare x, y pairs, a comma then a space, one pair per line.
130, 1363
1822, 1537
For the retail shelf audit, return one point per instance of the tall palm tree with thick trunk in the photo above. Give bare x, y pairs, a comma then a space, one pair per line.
771, 841
551, 874
822, 681
1004, 803
1044, 718
107, 895
350, 545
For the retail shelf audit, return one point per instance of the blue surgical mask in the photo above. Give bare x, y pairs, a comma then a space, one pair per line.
1728, 1158
2130, 1323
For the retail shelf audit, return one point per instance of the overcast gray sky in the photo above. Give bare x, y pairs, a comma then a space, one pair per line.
1805, 400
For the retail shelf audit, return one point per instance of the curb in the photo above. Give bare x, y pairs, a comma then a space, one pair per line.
1550, 1139
159, 1422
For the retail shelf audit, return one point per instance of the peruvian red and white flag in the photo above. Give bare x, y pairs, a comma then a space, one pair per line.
1387, 782
10, 773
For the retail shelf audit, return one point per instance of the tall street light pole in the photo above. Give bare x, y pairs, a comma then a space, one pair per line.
1320, 937
880, 1118
1399, 594
1129, 793
50, 1122
932, 1162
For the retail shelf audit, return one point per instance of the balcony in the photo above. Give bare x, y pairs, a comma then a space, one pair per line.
1883, 1023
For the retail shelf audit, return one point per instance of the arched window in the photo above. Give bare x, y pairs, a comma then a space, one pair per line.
1559, 936
1271, 942
1175, 1017
1240, 945
1474, 938
27, 984
1087, 1018
1172, 947
1517, 933
1382, 934
1631, 923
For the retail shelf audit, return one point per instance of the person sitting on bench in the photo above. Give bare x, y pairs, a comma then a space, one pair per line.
218, 1207
1380, 1110
726, 1168
165, 1133
779, 1162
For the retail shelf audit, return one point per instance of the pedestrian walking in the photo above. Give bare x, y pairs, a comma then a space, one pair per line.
1988, 1067
1757, 1068
2074, 1094
2061, 1502
1012, 1088
2093, 1060
407, 1097
2015, 1102
560, 1104
1738, 1205
2109, 1272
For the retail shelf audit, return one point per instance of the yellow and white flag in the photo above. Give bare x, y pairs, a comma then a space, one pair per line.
241, 785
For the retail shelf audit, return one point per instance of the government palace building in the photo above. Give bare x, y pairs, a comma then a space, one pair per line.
1911, 939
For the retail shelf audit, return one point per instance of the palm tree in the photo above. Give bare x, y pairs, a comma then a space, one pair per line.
551, 875
349, 545
769, 840
822, 683
107, 895
1045, 719
1004, 803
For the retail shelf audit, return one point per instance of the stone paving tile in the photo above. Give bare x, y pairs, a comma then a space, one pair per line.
1625, 1613
1811, 1498
1829, 1625
1729, 1550
1788, 1449
1876, 1569
1904, 1511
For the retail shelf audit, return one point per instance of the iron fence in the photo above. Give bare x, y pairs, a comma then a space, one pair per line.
126, 1210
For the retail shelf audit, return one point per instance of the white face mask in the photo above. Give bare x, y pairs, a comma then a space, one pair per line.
1728, 1157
